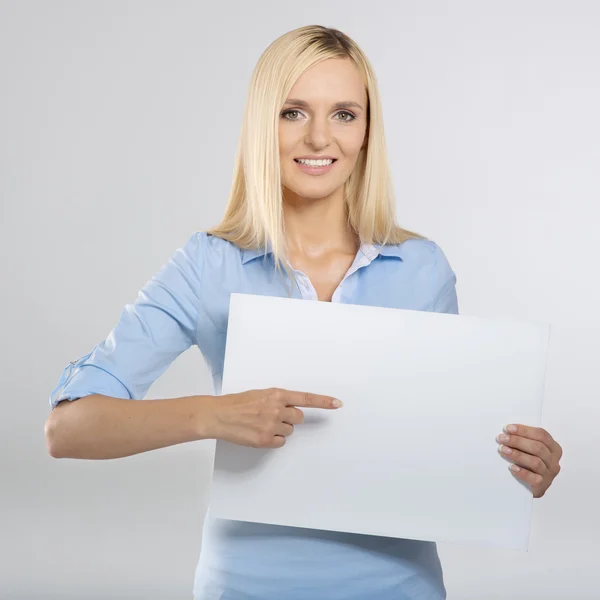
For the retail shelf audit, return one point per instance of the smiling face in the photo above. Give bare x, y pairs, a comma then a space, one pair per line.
325, 115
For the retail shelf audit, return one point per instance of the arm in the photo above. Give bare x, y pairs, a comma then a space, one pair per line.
100, 427
104, 427
98, 411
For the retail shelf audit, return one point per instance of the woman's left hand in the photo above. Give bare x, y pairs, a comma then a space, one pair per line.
535, 455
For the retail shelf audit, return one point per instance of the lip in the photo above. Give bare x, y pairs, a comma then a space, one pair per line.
315, 170
315, 157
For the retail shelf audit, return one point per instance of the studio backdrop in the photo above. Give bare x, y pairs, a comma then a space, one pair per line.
119, 122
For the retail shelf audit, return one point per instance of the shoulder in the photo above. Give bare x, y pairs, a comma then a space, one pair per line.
202, 247
432, 266
424, 253
198, 256
427, 262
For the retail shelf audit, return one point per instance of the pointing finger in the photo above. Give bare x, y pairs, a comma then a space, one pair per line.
290, 398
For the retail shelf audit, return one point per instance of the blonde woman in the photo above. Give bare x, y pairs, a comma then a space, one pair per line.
311, 215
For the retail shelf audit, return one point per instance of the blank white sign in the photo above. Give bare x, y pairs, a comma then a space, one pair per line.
412, 453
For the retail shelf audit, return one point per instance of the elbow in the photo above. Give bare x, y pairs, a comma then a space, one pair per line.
50, 435
52, 430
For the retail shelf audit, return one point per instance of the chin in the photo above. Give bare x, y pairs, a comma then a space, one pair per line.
313, 189
312, 193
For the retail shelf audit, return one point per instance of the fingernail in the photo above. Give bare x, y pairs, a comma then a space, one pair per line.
511, 428
505, 450
337, 403
514, 468
503, 438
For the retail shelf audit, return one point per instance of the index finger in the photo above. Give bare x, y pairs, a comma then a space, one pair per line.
291, 398
533, 433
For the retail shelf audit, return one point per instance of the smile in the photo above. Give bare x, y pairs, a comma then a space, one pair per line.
317, 167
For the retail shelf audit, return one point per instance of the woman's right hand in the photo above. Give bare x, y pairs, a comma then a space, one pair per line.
264, 418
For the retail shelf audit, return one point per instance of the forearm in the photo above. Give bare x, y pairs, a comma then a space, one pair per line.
103, 427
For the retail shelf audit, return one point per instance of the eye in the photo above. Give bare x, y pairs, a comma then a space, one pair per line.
344, 112
287, 112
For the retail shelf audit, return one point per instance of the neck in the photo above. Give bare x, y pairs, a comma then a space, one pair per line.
317, 227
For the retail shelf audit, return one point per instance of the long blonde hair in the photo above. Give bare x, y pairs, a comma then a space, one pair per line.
254, 214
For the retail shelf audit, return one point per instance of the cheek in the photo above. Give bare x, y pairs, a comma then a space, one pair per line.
352, 144
287, 140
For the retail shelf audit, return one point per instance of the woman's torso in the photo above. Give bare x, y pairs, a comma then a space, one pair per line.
252, 561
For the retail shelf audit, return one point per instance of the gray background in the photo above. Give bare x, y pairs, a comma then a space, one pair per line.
118, 125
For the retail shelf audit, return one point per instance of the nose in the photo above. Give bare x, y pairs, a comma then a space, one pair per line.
318, 134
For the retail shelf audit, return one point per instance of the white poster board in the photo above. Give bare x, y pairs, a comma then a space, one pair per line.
412, 453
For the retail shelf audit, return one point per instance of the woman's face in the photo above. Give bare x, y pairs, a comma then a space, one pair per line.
325, 115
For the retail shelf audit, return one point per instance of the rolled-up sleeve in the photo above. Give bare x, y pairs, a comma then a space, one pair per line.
444, 295
150, 333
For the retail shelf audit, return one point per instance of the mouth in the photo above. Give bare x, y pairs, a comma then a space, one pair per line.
313, 169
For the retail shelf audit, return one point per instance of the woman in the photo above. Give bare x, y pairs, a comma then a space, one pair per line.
311, 214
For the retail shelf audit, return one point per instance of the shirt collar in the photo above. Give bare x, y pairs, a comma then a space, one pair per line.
371, 251
394, 251
251, 254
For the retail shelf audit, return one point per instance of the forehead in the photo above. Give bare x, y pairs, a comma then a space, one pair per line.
330, 80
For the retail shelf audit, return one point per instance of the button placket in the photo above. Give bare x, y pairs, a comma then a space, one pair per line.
307, 290
364, 257
363, 261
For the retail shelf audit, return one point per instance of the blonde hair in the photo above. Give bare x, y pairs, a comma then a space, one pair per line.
254, 214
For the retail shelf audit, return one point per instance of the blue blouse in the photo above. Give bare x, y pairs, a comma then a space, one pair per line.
187, 302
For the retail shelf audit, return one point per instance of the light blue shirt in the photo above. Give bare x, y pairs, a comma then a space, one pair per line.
186, 303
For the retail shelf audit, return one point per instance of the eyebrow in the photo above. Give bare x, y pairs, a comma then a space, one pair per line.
303, 104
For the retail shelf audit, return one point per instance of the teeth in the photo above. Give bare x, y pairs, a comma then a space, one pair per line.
315, 163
